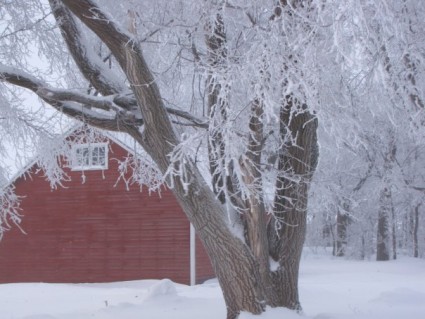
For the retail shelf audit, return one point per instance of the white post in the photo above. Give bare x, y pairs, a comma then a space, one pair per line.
192, 256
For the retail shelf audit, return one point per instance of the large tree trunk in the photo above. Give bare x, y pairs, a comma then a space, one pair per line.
297, 162
288, 237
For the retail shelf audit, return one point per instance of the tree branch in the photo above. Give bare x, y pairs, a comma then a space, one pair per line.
91, 66
74, 104
129, 102
124, 105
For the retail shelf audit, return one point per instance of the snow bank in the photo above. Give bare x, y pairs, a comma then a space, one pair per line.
162, 288
329, 288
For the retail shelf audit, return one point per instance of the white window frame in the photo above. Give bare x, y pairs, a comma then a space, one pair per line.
76, 164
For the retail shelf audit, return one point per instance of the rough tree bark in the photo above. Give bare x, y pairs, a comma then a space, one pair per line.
297, 162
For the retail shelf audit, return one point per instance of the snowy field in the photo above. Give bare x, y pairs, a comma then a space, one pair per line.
329, 288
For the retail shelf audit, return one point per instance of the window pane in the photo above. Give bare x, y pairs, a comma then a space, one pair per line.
98, 156
82, 156
102, 157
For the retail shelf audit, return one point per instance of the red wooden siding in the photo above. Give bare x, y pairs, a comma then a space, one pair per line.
203, 265
98, 232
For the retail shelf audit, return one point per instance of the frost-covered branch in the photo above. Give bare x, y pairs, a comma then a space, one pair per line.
76, 105
140, 171
129, 102
103, 79
9, 209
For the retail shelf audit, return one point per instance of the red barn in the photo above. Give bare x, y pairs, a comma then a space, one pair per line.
98, 230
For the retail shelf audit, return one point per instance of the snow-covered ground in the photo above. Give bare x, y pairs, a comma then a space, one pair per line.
330, 289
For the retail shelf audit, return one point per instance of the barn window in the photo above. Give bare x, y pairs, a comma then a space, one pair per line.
90, 156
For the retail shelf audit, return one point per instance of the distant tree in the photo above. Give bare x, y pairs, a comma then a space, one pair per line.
415, 231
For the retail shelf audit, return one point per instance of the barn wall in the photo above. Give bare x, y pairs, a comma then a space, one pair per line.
204, 269
97, 232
